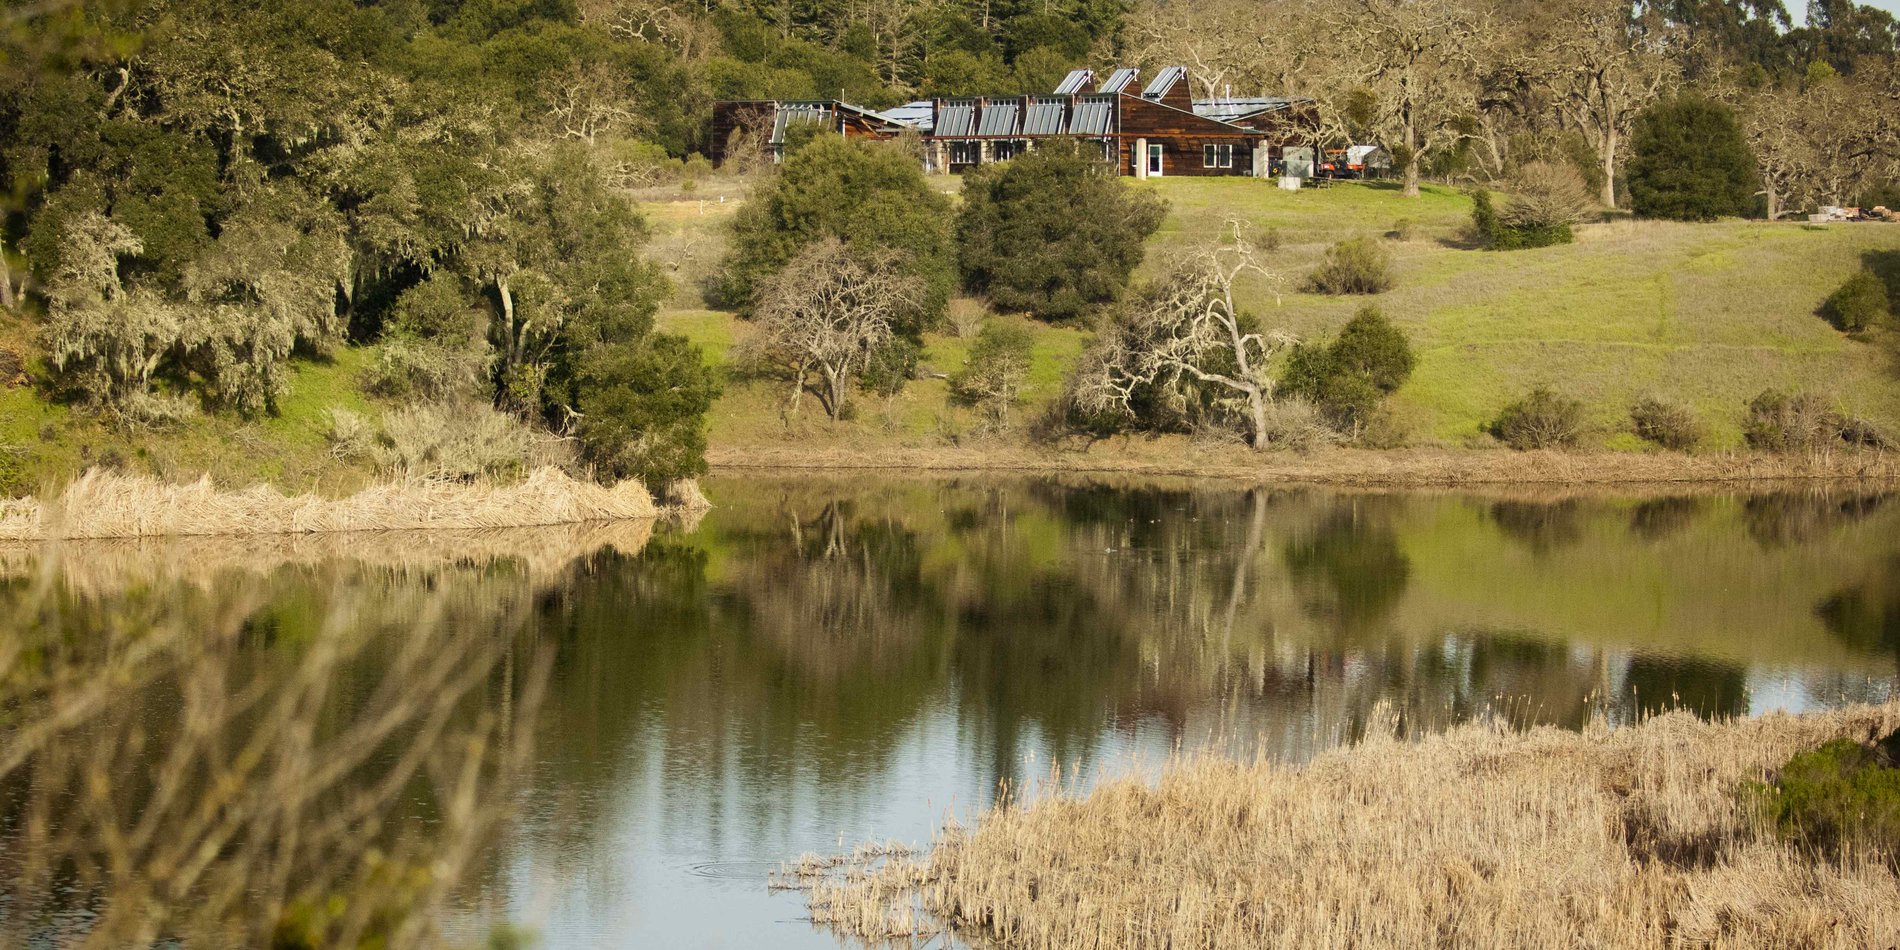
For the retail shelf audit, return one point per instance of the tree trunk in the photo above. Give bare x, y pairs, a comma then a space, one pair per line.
1772, 197
1610, 141
1411, 156
834, 384
1257, 402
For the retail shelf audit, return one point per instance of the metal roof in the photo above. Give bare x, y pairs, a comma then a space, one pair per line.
1164, 81
1119, 79
1227, 110
957, 117
1043, 117
1075, 81
1093, 115
998, 118
921, 115
796, 113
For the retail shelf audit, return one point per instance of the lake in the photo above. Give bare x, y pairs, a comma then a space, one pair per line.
609, 735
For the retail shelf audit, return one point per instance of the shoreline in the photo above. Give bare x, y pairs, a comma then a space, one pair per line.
1392, 468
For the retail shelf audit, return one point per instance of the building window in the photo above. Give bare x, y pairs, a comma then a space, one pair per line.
1207, 156
1217, 156
1006, 149
966, 153
1227, 155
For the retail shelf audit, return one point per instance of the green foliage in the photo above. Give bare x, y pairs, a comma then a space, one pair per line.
1543, 419
1841, 798
1668, 424
642, 408
1354, 266
1053, 233
865, 194
993, 376
1689, 162
1346, 379
1859, 304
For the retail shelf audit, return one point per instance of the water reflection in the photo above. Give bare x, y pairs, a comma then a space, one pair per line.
838, 660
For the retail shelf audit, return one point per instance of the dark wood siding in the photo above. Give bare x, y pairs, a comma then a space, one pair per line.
1181, 134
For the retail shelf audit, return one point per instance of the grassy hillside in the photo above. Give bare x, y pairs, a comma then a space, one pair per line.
1706, 314
42, 440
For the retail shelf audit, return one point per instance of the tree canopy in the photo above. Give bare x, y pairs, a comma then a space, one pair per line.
1053, 232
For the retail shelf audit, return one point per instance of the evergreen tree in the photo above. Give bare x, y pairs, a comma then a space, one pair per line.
1689, 162
1053, 232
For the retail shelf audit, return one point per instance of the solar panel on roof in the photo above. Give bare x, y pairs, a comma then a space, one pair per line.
1093, 114
1044, 117
1119, 79
1163, 82
1075, 81
956, 118
789, 115
998, 118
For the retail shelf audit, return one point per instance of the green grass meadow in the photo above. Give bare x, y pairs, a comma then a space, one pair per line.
1706, 314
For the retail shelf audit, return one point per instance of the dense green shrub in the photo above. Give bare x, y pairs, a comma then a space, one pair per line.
1664, 423
642, 408
993, 376
1859, 304
1843, 797
1543, 419
434, 344
1355, 266
1346, 379
866, 194
1689, 162
1053, 233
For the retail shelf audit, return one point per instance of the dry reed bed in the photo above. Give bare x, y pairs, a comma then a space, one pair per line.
101, 504
1475, 838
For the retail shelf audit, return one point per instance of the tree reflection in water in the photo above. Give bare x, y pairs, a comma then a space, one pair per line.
311, 757
328, 747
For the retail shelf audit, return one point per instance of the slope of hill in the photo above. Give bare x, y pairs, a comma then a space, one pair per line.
1707, 314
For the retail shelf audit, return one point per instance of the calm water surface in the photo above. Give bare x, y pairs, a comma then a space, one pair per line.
820, 662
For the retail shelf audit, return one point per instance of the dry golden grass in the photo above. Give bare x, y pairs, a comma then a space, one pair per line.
101, 504
1475, 838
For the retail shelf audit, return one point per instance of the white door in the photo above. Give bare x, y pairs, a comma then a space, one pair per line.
1154, 161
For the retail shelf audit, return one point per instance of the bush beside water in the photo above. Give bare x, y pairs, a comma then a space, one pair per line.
1842, 797
1804, 422
1670, 425
1543, 419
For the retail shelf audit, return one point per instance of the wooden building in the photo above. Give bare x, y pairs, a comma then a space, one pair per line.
1153, 130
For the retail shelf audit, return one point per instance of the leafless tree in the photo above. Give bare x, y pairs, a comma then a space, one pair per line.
1419, 59
827, 313
1187, 327
1604, 67
1825, 143
586, 101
